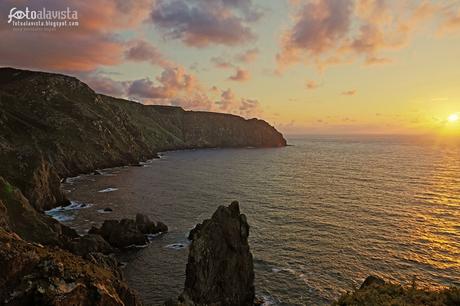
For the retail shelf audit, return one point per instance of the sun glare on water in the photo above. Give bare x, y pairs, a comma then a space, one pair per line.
453, 118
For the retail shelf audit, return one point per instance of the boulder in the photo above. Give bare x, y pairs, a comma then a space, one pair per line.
161, 228
90, 243
127, 232
220, 267
372, 281
144, 224
120, 234
108, 209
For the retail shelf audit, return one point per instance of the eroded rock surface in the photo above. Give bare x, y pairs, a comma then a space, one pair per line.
127, 232
16, 214
33, 274
220, 268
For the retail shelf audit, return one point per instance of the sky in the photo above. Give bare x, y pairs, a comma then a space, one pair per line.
306, 67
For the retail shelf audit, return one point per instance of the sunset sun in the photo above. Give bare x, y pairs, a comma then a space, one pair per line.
453, 117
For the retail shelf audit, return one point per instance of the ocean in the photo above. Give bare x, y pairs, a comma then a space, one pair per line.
325, 212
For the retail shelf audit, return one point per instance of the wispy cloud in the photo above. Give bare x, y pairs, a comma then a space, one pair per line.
240, 75
350, 92
248, 56
242, 106
220, 62
143, 51
312, 84
342, 31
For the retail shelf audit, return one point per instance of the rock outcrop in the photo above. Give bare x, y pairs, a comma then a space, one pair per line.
127, 232
54, 126
87, 244
375, 291
16, 214
372, 281
220, 268
33, 274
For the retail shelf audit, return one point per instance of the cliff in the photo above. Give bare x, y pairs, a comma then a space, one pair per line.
53, 126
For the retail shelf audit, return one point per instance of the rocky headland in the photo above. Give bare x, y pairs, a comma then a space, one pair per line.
54, 126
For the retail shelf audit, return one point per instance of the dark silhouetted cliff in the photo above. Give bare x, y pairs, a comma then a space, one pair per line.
54, 126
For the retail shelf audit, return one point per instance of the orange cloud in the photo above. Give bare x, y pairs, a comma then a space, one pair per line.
311, 84
142, 51
103, 84
340, 31
92, 44
173, 82
350, 92
229, 102
52, 51
240, 75
248, 56
220, 62
451, 20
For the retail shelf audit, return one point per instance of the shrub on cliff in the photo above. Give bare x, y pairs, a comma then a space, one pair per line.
382, 294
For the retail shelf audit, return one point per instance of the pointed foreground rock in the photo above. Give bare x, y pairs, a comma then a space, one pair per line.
220, 268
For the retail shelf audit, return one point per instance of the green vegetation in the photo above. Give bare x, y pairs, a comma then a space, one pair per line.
8, 189
397, 295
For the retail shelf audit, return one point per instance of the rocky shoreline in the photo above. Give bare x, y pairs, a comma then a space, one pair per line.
54, 126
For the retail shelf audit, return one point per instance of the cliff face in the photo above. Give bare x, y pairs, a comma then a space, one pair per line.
54, 126
17, 215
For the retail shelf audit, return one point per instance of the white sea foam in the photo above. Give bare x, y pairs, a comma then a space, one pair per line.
73, 206
63, 218
153, 236
287, 270
177, 245
110, 189
104, 173
66, 213
71, 180
102, 211
268, 300
137, 246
